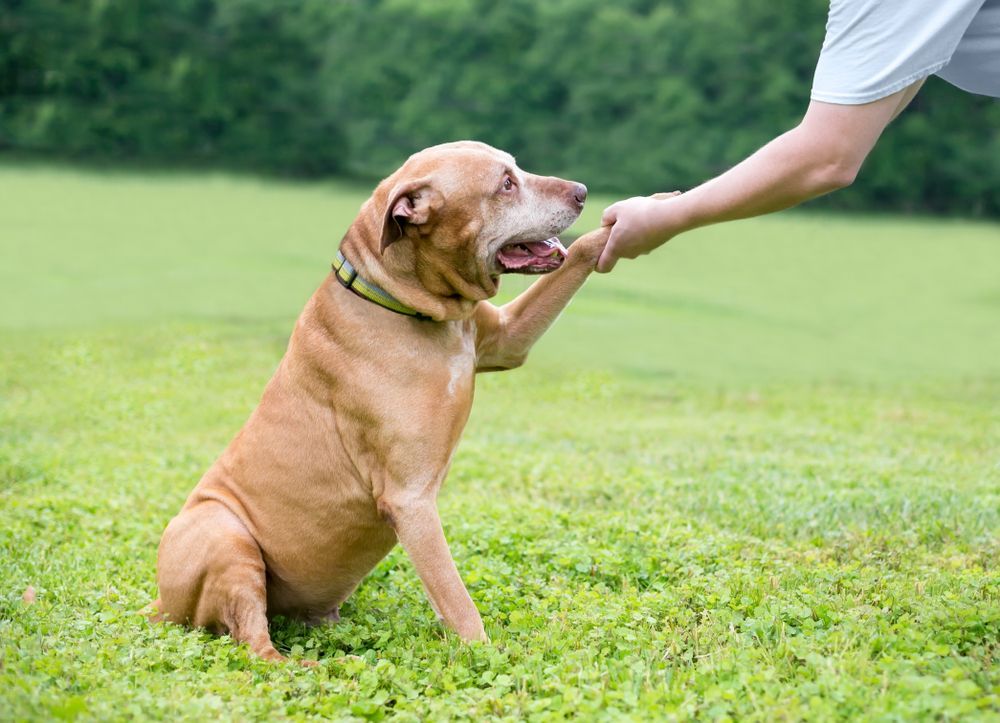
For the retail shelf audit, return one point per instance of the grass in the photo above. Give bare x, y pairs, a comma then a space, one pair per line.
753, 476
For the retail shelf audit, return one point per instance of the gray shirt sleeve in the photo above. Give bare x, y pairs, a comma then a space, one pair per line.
975, 66
874, 48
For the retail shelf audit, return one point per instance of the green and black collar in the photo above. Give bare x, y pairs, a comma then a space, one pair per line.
348, 277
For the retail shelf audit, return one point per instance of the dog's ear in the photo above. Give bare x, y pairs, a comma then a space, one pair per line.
410, 204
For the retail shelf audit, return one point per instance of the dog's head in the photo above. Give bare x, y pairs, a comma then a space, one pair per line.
465, 214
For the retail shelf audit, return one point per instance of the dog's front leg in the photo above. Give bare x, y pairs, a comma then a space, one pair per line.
418, 528
506, 334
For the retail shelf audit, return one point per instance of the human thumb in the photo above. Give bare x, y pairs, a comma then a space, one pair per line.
610, 215
608, 258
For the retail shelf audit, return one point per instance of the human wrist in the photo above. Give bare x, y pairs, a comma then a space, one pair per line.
674, 216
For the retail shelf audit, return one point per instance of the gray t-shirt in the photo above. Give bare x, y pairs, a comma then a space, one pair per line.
874, 48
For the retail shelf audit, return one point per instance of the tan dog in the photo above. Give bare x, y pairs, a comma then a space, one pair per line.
355, 432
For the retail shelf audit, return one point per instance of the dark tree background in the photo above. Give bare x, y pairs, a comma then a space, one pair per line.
631, 97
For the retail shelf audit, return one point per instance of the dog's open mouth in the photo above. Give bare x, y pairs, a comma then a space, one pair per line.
531, 257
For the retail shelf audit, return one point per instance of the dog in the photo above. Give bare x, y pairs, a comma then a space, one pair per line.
355, 432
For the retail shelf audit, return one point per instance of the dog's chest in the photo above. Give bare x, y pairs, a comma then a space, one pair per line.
438, 400
442, 365
414, 397
461, 371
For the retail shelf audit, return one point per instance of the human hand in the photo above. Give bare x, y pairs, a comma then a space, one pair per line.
638, 225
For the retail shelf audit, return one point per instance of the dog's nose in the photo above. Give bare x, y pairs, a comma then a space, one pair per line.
579, 193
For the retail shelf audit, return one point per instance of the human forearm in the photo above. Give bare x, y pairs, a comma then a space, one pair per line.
788, 171
822, 153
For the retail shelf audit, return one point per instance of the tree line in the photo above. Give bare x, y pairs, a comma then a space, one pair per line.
629, 97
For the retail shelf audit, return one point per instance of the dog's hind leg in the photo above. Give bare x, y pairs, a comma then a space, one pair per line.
152, 612
246, 620
242, 588
211, 574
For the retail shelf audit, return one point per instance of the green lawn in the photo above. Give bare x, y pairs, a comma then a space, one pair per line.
754, 476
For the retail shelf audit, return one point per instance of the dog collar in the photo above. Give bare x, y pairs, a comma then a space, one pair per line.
348, 277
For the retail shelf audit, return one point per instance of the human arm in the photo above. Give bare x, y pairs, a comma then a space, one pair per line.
823, 153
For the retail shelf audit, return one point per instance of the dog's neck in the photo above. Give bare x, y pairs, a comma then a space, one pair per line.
436, 293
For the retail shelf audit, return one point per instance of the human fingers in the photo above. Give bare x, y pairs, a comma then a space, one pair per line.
610, 214
608, 257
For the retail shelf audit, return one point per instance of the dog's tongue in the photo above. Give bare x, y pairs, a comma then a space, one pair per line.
549, 247
532, 257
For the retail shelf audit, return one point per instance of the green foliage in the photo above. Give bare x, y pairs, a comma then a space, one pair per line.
168, 81
632, 96
718, 489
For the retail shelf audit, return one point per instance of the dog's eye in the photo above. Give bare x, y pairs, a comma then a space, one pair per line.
508, 184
